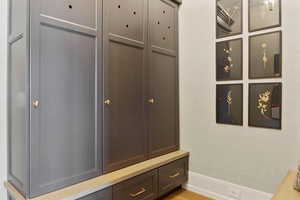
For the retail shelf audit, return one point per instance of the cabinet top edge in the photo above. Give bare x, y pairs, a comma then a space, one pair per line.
104, 181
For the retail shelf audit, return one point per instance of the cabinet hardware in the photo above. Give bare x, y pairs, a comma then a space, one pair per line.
143, 190
107, 102
175, 175
151, 101
35, 104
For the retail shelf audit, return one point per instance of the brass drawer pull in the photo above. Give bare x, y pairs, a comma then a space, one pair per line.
143, 190
175, 175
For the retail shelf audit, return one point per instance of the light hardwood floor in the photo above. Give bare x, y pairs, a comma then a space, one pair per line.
185, 195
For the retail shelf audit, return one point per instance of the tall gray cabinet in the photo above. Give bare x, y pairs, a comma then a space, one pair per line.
141, 81
55, 93
93, 87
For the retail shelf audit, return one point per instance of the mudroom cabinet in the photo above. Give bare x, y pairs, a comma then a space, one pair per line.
141, 81
93, 88
55, 94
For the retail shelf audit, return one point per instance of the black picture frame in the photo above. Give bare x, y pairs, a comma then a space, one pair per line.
223, 20
272, 68
229, 60
250, 19
265, 105
229, 113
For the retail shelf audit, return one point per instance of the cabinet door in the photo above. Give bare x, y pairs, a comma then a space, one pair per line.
163, 78
125, 139
65, 125
101, 195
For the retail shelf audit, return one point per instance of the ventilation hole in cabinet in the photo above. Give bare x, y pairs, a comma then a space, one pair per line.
70, 6
134, 13
164, 12
127, 25
119, 6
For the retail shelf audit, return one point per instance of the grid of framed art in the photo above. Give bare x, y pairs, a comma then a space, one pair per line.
265, 62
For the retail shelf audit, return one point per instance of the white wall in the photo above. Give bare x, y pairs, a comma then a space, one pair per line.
3, 60
254, 157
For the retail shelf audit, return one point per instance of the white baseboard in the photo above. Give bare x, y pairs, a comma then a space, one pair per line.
223, 190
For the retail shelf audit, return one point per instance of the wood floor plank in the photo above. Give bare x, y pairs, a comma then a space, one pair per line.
185, 195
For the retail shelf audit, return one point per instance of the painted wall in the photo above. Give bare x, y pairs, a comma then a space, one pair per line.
3, 60
253, 157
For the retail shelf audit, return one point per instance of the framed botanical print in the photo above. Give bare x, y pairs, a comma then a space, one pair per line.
229, 60
229, 104
265, 107
265, 55
229, 15
264, 14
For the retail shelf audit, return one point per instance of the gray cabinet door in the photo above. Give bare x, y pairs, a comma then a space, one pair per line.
163, 78
65, 97
101, 195
125, 139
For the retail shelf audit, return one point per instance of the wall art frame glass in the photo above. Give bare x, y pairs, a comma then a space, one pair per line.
229, 60
229, 18
264, 14
229, 104
265, 55
265, 105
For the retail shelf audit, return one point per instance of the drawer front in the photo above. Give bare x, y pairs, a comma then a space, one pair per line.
100, 195
143, 187
172, 175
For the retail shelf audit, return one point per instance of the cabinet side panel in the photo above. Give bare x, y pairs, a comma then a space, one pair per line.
18, 93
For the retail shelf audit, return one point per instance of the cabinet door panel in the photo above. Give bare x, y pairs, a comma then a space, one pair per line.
163, 119
163, 78
65, 141
81, 12
163, 21
126, 18
125, 138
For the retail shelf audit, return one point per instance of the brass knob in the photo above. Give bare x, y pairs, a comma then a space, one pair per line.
107, 102
35, 104
151, 101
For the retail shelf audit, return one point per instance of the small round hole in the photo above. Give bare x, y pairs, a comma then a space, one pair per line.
164, 11
127, 25
169, 27
158, 22
164, 38
134, 12
119, 6
70, 6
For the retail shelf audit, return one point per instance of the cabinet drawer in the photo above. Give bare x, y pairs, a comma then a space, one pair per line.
100, 195
172, 175
143, 187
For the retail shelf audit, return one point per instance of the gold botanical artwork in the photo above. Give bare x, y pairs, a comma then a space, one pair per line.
264, 99
229, 66
229, 101
264, 58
